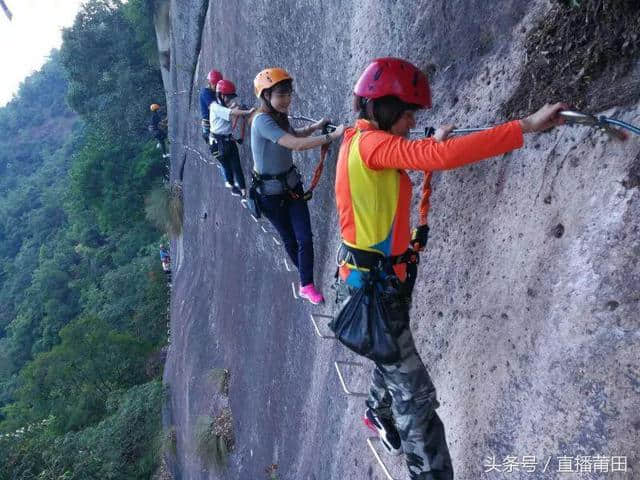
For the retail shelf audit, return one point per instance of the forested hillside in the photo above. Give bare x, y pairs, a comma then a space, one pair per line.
83, 300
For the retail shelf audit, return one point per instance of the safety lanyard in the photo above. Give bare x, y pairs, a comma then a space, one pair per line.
317, 173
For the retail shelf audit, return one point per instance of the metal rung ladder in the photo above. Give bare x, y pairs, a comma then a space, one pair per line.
370, 442
341, 377
314, 320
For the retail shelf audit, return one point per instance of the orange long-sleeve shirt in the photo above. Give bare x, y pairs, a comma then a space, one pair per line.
373, 190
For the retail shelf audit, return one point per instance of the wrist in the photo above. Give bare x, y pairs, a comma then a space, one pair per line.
525, 125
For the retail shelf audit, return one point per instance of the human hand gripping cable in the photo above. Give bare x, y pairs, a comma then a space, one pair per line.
321, 124
443, 132
330, 132
611, 126
545, 118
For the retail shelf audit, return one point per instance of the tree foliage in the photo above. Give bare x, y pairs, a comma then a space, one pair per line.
83, 300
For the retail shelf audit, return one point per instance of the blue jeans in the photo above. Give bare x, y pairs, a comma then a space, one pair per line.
291, 219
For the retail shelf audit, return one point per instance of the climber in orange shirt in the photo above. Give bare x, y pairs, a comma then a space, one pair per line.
373, 195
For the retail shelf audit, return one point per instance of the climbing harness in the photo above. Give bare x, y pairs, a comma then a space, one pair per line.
419, 237
602, 123
257, 178
252, 199
370, 260
222, 145
372, 316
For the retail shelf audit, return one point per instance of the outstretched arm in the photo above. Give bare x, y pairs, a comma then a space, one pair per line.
390, 151
305, 143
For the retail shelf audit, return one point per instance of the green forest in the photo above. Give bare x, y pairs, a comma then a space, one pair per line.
83, 299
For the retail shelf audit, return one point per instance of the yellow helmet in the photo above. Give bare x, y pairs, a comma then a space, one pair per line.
268, 77
154, 107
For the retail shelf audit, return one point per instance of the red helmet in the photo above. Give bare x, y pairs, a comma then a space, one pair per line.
225, 87
214, 77
396, 77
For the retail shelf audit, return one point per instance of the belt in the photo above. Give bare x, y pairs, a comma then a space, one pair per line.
227, 137
368, 260
278, 176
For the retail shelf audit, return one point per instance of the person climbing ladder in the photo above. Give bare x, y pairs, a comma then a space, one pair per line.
165, 259
158, 127
276, 179
373, 196
206, 97
223, 116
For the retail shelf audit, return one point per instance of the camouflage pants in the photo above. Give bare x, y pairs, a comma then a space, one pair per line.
405, 393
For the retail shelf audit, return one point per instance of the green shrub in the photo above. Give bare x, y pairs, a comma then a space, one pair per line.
170, 441
210, 447
156, 208
176, 209
220, 377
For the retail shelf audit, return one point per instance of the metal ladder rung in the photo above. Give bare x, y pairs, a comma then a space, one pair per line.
370, 441
263, 229
293, 289
341, 378
254, 218
287, 266
275, 240
315, 325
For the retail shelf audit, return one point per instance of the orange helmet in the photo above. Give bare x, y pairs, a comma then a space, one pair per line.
154, 107
268, 77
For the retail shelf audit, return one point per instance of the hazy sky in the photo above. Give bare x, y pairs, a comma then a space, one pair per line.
26, 41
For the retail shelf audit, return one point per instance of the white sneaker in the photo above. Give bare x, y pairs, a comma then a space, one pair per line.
228, 185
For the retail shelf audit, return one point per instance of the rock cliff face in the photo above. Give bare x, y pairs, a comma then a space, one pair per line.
526, 310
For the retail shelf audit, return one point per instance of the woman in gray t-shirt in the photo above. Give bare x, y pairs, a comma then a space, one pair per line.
280, 188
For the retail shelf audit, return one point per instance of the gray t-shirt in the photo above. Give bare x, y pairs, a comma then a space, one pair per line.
268, 157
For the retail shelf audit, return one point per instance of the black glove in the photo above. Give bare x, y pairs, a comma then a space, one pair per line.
419, 237
328, 128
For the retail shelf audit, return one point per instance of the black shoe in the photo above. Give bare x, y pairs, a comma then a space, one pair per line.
235, 191
386, 430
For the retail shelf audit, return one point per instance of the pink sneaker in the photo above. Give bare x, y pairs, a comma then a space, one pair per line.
310, 293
